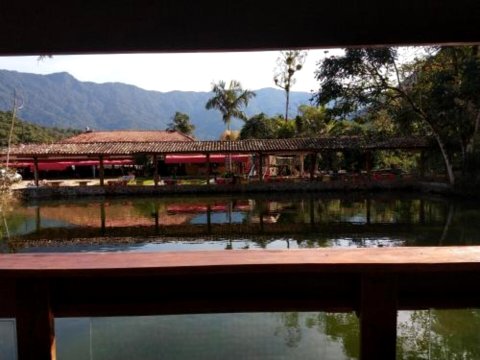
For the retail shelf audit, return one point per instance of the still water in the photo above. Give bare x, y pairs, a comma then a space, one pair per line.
253, 222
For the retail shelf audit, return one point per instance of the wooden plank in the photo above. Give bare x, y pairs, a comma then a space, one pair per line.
35, 323
408, 259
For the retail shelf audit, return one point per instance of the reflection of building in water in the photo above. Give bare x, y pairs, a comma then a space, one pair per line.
266, 218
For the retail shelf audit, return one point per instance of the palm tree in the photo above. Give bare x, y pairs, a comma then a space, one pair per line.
229, 102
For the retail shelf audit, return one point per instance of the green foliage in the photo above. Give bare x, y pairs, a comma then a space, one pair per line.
26, 133
436, 94
229, 101
285, 129
259, 127
181, 123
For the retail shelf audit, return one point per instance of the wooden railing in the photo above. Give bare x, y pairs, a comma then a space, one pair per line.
375, 283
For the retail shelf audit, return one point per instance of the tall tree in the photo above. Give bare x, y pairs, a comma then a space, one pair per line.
181, 122
229, 101
288, 63
422, 90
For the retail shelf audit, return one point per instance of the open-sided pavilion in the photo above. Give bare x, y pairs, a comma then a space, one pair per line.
118, 150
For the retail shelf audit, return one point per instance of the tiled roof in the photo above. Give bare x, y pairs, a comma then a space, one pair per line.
239, 146
127, 136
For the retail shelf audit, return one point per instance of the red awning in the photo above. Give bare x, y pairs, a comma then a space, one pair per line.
200, 159
63, 165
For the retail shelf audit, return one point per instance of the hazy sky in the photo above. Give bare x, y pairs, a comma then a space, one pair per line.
166, 72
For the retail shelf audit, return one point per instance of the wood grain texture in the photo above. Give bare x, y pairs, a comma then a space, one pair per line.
385, 259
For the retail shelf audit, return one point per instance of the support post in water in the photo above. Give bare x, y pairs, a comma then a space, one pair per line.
101, 171
378, 317
35, 322
35, 170
155, 170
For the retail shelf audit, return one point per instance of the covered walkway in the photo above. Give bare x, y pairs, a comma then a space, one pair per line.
208, 151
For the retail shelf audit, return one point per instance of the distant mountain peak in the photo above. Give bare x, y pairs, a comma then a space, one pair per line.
60, 100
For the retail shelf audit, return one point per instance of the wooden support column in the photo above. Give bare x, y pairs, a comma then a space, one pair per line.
209, 219
369, 209
368, 164
260, 167
422, 164
157, 218
34, 321
209, 169
103, 218
312, 210
101, 171
422, 212
38, 219
313, 165
302, 167
35, 170
378, 317
155, 170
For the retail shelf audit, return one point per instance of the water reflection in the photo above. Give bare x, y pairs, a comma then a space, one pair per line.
233, 223
213, 336
230, 223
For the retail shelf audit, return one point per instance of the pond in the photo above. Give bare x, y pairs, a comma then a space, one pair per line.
250, 222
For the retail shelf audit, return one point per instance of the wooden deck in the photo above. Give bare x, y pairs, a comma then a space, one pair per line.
374, 282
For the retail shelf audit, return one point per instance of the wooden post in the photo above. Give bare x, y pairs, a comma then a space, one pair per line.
209, 219
101, 171
35, 170
260, 167
157, 217
313, 165
369, 209
422, 164
368, 164
312, 210
208, 169
34, 320
38, 219
103, 218
422, 212
302, 167
155, 170
378, 317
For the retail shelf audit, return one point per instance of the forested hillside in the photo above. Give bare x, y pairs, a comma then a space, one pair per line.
62, 101
25, 132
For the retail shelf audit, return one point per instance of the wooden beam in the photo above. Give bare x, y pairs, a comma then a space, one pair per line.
35, 323
154, 27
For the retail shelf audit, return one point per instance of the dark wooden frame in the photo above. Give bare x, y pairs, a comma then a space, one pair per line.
374, 283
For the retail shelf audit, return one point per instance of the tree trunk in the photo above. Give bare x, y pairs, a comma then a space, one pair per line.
286, 106
471, 142
446, 158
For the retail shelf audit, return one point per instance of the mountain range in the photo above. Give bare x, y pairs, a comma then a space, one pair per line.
62, 101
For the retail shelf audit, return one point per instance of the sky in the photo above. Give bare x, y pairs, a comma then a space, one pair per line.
168, 72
